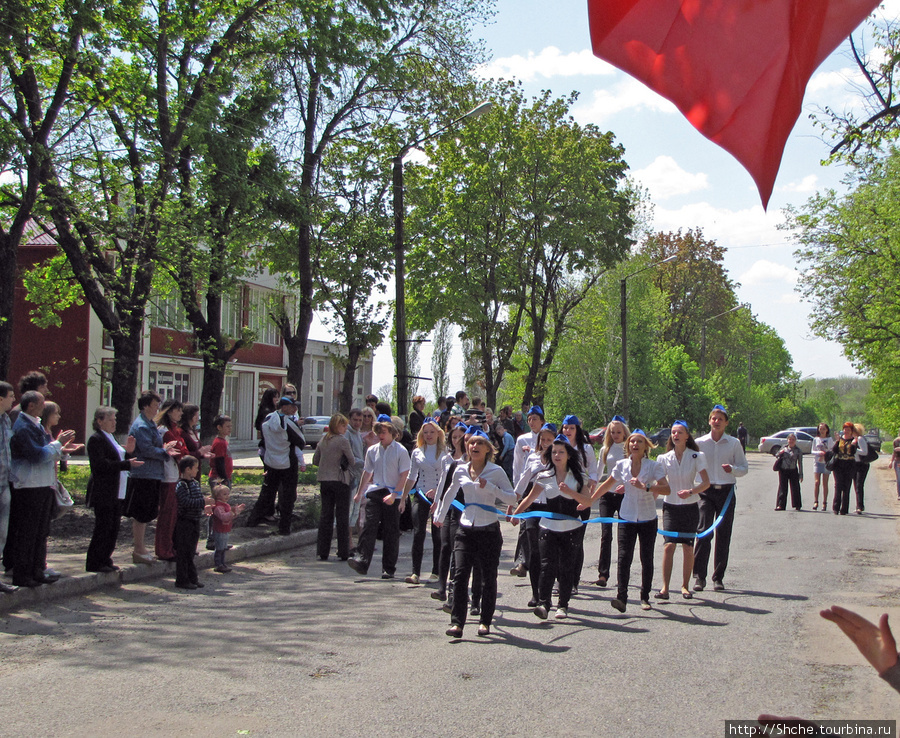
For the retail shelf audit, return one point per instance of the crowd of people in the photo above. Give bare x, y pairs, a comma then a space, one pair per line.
847, 457
461, 469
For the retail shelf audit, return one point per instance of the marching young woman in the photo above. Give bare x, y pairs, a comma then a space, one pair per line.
478, 540
561, 485
822, 444
612, 453
530, 539
455, 456
425, 476
641, 481
685, 467
578, 439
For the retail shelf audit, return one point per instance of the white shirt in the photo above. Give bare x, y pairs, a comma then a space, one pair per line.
497, 487
533, 466
520, 455
547, 481
682, 475
123, 476
614, 455
820, 446
426, 469
386, 465
727, 450
639, 504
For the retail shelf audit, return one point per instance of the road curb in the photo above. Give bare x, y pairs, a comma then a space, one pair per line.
91, 582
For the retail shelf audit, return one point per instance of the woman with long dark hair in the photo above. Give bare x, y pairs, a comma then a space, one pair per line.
844, 452
822, 444
478, 541
578, 439
560, 485
167, 422
683, 462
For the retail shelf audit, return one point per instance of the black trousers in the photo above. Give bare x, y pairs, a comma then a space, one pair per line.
184, 540
107, 518
29, 521
420, 510
609, 505
476, 548
859, 484
531, 533
844, 475
629, 533
388, 517
447, 571
335, 505
282, 482
788, 478
711, 503
578, 543
557, 561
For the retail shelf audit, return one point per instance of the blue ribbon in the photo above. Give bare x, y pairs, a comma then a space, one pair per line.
421, 494
613, 521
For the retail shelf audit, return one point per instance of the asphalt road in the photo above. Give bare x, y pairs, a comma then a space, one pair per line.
290, 646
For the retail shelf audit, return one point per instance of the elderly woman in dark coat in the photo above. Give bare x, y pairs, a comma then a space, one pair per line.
106, 487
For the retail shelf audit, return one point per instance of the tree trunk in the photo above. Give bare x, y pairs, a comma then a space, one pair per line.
9, 247
211, 396
126, 374
348, 382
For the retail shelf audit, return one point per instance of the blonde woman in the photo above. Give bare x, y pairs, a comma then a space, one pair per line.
425, 475
612, 452
335, 459
478, 539
640, 481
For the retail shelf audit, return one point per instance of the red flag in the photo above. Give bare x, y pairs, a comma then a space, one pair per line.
737, 69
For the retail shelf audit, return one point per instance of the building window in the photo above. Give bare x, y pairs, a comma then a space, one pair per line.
106, 367
172, 385
320, 371
233, 313
260, 305
166, 311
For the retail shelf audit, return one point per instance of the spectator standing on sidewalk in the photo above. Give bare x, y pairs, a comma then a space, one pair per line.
7, 398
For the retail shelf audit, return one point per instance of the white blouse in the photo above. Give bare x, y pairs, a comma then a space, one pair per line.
547, 480
497, 487
682, 475
639, 504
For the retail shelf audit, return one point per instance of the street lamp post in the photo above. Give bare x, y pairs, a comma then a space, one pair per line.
623, 315
703, 338
400, 257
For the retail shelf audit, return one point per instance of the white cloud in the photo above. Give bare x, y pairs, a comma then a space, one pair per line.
741, 228
548, 62
789, 298
626, 95
806, 185
765, 272
664, 178
836, 79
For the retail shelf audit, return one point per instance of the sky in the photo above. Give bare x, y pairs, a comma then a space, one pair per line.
692, 182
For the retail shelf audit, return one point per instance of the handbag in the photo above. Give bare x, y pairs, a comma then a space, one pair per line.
871, 455
777, 465
830, 457
62, 499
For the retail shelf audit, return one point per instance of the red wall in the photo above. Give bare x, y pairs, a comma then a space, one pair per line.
59, 352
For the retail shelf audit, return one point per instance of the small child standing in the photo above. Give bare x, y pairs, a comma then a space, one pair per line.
191, 506
221, 466
220, 524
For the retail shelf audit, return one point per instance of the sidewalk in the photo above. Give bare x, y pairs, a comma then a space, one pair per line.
260, 541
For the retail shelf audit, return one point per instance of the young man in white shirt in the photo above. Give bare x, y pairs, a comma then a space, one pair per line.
725, 462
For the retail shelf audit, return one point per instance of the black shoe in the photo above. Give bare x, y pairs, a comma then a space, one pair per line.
475, 611
618, 604
7, 588
699, 584
358, 566
186, 585
718, 586
251, 522
532, 603
447, 607
46, 580
198, 585
385, 575
439, 595
601, 581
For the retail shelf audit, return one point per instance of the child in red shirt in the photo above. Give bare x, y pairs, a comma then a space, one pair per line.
221, 465
223, 516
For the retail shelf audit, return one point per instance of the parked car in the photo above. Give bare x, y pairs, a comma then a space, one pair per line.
808, 429
661, 437
773, 444
873, 437
314, 428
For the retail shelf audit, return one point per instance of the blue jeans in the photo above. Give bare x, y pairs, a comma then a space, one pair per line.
220, 541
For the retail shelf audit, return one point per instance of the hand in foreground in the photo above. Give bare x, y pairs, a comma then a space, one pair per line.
135, 463
388, 499
65, 436
685, 493
875, 642
129, 444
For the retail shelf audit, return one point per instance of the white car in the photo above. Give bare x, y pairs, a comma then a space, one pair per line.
773, 444
314, 428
